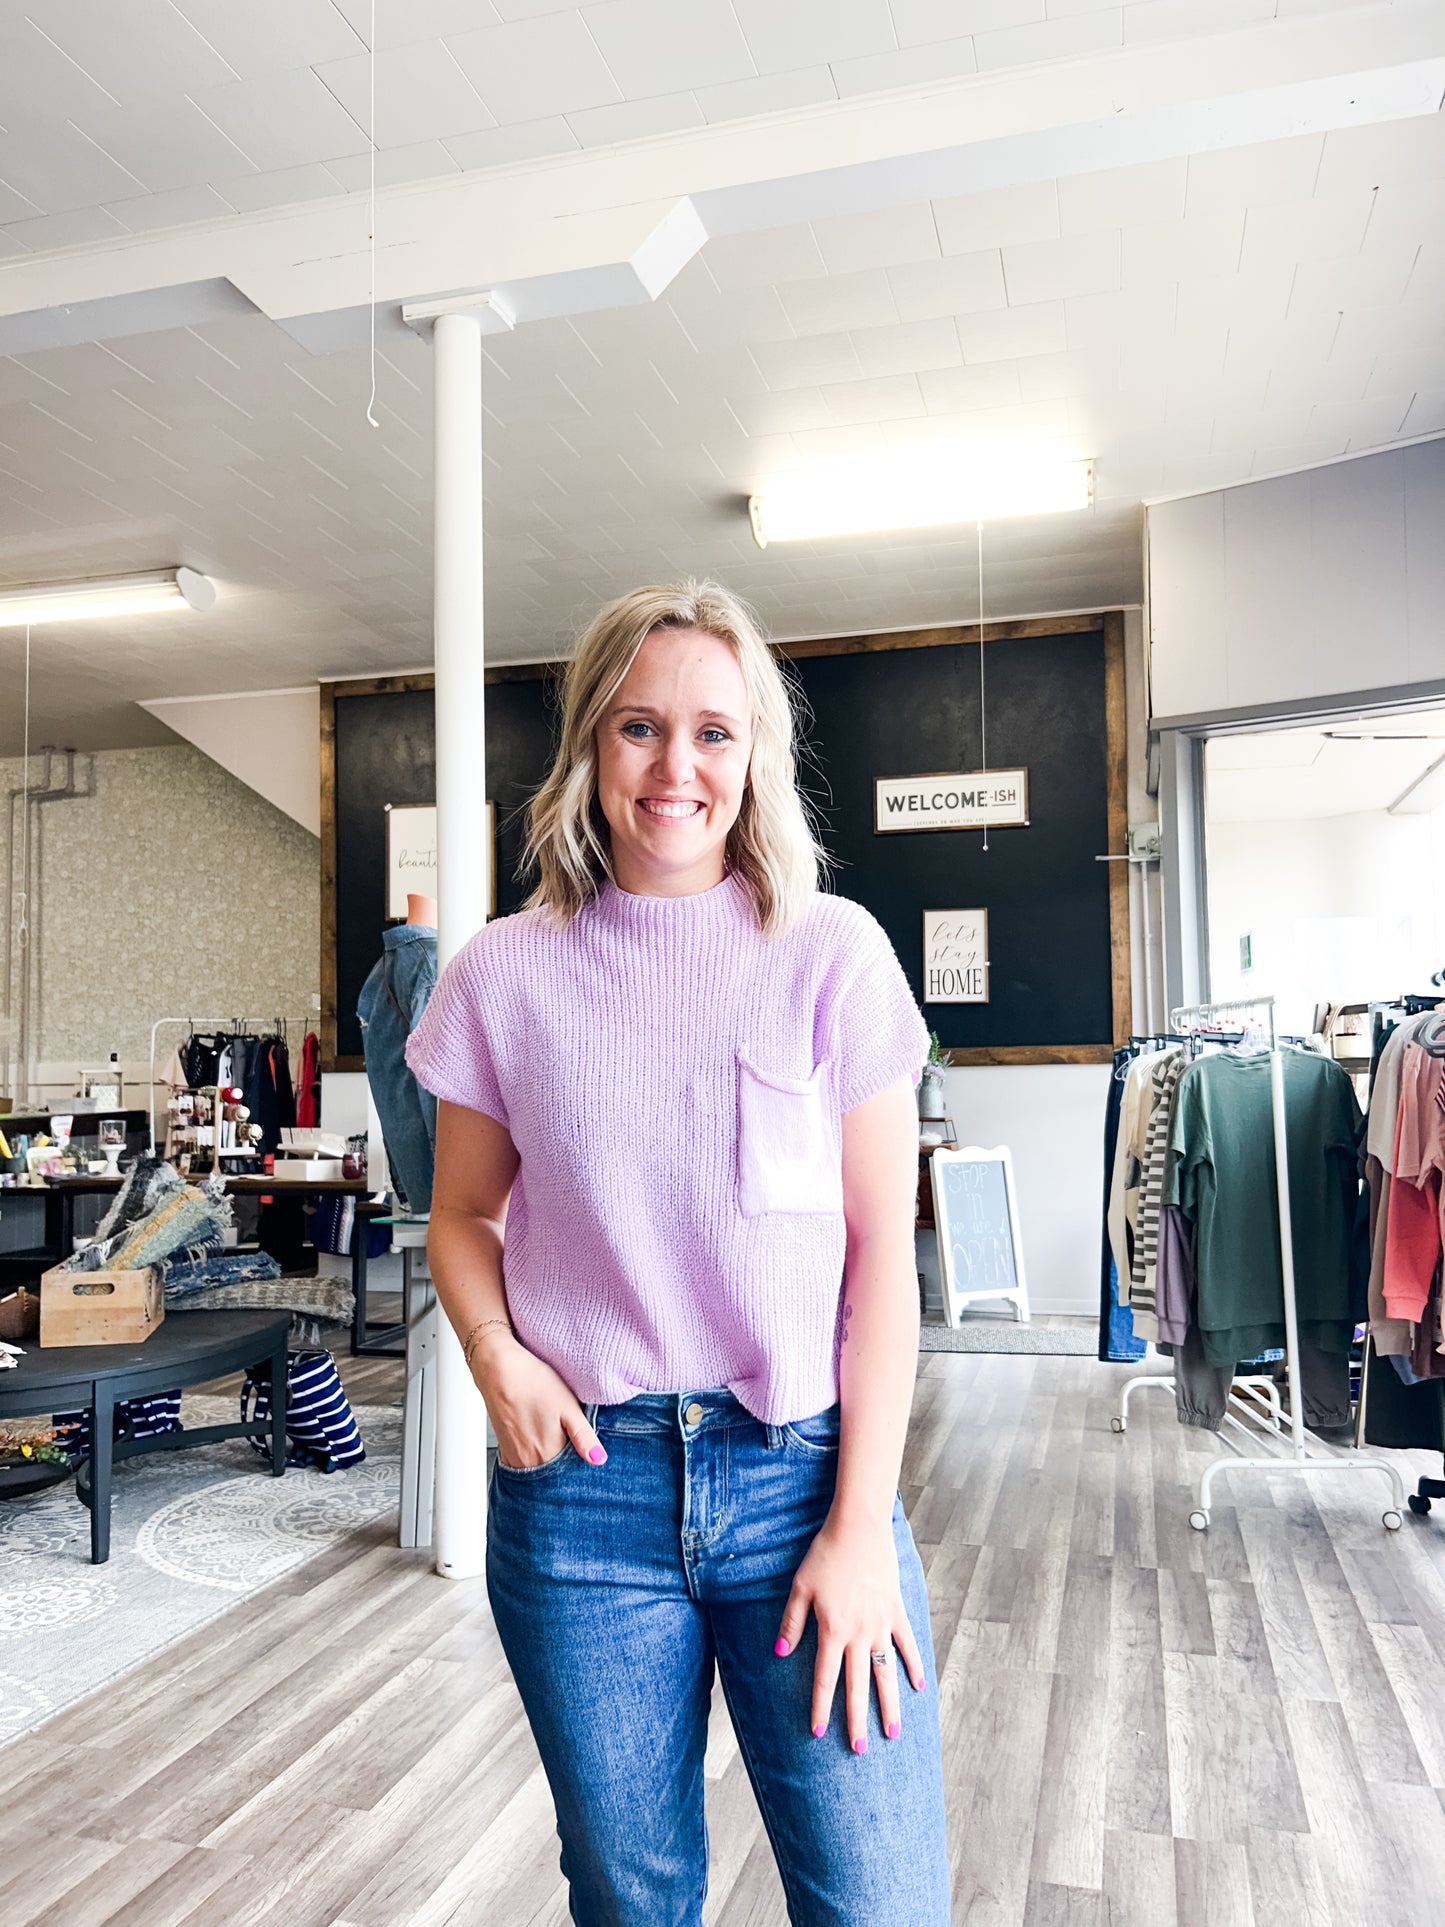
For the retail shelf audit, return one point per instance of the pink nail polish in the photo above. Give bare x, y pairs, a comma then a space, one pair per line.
894, 1729
597, 1455
819, 1731
783, 1648
860, 1746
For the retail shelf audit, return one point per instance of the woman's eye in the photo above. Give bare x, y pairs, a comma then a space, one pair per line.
628, 729
716, 736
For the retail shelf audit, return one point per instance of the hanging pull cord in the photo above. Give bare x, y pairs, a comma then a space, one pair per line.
22, 926
982, 706
371, 216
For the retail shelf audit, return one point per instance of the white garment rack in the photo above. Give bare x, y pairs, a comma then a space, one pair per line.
207, 1023
1267, 1421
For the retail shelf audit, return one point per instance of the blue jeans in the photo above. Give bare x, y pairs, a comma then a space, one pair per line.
615, 1589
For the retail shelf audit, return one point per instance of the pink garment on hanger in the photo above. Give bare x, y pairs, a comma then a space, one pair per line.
1413, 1232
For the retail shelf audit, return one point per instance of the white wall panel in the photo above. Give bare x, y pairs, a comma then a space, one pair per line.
1306, 585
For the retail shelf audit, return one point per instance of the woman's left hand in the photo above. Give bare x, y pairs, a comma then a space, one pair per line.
849, 1582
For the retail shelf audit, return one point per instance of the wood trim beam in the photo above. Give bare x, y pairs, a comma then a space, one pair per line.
1085, 625
966, 1056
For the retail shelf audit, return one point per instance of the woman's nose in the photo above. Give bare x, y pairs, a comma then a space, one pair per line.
674, 759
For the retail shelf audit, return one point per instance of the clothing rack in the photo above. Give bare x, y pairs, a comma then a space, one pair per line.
1187, 1020
206, 1023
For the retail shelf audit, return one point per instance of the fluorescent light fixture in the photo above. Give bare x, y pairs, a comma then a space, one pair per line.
918, 488
118, 595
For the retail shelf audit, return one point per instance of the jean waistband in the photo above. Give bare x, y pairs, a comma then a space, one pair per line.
674, 1414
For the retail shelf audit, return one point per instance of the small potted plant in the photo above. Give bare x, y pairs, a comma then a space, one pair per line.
930, 1086
32, 1460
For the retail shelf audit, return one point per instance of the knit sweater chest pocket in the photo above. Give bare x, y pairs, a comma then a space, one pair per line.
789, 1156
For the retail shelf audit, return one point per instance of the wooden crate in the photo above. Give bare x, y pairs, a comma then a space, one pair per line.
100, 1307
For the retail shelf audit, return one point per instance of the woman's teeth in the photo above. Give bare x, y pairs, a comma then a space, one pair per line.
670, 809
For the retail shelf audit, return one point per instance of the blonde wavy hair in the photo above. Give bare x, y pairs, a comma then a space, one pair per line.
771, 847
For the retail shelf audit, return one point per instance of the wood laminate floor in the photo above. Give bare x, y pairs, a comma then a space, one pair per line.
1143, 1726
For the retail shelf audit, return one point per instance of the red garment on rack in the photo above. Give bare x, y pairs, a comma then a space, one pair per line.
308, 1084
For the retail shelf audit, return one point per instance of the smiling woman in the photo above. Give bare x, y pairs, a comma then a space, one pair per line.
687, 1291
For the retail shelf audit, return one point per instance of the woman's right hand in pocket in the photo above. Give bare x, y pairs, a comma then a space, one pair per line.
532, 1408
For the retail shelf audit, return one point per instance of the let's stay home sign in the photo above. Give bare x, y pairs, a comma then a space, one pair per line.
966, 800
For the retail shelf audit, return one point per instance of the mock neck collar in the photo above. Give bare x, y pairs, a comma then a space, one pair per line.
624, 910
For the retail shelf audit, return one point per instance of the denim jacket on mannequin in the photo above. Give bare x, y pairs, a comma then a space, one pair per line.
390, 1006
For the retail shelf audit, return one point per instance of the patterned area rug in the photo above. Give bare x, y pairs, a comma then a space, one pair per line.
1000, 1335
191, 1534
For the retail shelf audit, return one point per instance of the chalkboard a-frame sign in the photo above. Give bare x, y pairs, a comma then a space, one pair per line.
976, 1211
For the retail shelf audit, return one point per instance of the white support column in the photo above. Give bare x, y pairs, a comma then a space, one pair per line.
461, 788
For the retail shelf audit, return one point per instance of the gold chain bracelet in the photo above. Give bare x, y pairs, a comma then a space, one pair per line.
469, 1343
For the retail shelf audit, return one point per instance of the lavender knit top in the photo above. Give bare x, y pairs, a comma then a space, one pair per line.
674, 1084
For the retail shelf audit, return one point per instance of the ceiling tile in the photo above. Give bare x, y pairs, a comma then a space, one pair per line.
283, 120
905, 67
807, 363
908, 347
1311, 230
144, 213
167, 142
34, 70
77, 228
651, 50
921, 21
885, 400
1053, 39
999, 217
280, 188
140, 49
1198, 246
1391, 153
530, 69
839, 302
768, 94
395, 166
959, 284
805, 32
1122, 196
1183, 19
628, 120
399, 22
503, 146
421, 94
757, 260
56, 170
1375, 274
1230, 178
1009, 332
1050, 270
953, 391
888, 238
272, 36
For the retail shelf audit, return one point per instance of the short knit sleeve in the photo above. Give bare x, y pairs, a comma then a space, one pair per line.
450, 1051
880, 1035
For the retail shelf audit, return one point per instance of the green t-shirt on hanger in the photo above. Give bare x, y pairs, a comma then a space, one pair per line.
1221, 1175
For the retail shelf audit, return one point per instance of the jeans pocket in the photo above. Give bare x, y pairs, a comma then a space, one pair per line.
817, 1435
558, 1459
789, 1152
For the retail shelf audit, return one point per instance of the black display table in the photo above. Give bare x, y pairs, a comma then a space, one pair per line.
188, 1348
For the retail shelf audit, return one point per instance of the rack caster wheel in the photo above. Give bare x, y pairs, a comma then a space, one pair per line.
1418, 1505
1199, 1521
1392, 1520
1117, 1424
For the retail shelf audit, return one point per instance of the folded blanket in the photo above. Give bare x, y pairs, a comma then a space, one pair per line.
328, 1299
222, 1271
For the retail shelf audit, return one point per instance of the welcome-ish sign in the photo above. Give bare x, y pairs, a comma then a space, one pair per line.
966, 800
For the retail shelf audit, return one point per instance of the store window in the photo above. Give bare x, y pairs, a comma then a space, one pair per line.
1325, 849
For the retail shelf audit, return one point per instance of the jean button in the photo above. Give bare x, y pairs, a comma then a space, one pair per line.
694, 1414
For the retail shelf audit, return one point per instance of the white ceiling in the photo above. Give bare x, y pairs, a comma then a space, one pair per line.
1188, 321
1334, 769
125, 118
